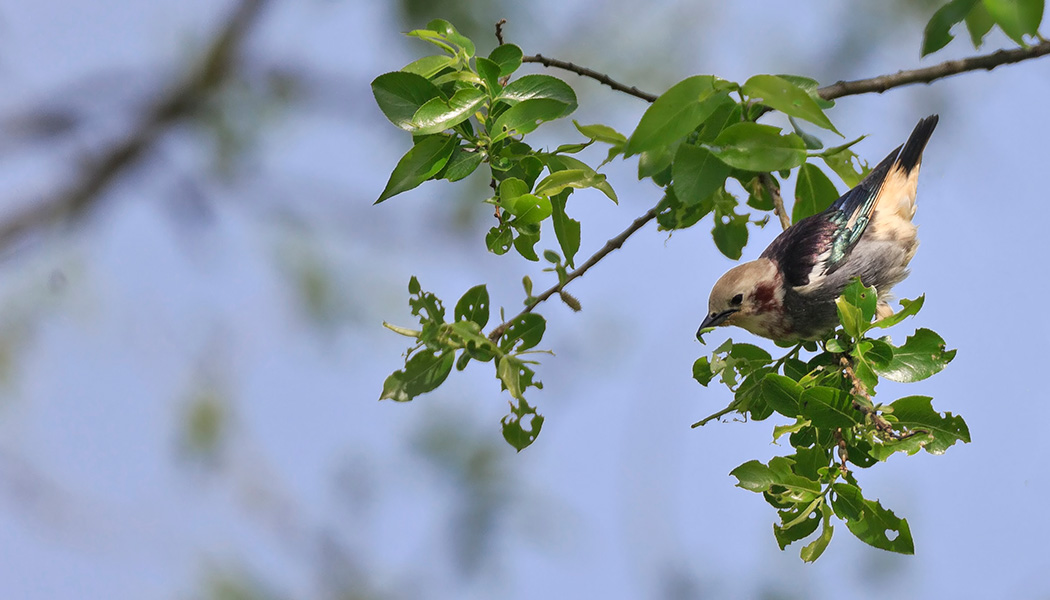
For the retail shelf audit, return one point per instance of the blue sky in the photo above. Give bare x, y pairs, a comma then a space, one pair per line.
188, 283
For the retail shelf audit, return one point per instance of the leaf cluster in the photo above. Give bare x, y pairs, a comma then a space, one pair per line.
1018, 19
833, 422
464, 110
700, 142
429, 362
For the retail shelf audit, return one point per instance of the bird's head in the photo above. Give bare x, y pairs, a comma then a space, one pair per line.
750, 296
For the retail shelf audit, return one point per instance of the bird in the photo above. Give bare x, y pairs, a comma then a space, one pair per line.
788, 293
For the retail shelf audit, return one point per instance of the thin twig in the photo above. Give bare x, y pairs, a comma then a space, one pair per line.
499, 30
840, 443
609, 246
595, 75
861, 391
778, 201
883, 83
178, 103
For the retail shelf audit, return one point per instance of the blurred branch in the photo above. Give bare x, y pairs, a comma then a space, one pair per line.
176, 104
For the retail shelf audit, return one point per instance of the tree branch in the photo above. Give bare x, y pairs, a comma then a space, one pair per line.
778, 201
609, 246
595, 75
883, 83
841, 89
179, 102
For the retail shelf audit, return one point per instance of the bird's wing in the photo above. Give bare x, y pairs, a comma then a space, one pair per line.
816, 246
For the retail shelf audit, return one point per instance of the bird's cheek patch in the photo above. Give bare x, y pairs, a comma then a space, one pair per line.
765, 298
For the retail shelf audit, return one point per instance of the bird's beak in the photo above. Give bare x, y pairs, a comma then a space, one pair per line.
714, 320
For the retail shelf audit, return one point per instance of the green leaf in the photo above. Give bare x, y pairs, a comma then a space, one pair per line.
864, 298
916, 412
870, 522
509, 372
571, 178
702, 371
730, 234
679, 110
799, 488
725, 115
508, 57
754, 476
437, 114
566, 163
922, 355
813, 551
909, 308
474, 306
787, 534
420, 163
499, 239
522, 425
566, 228
810, 86
448, 32
846, 164
510, 189
539, 87
525, 116
525, 245
527, 329
782, 394
812, 141
814, 192
399, 95
938, 30
530, 209
780, 94
979, 23
759, 148
697, 174
423, 372
876, 352
1017, 18
428, 66
601, 133
490, 74
798, 425
461, 164
851, 318
828, 408
672, 214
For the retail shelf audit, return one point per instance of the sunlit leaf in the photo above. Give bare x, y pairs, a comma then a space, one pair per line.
922, 355
761, 148
679, 110
423, 372
780, 94
399, 95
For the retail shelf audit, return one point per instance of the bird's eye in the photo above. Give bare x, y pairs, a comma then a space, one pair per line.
737, 300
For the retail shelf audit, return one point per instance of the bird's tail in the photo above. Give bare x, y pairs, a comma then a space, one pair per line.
895, 206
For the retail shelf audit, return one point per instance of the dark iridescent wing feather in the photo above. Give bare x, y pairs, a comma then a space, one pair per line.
818, 245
